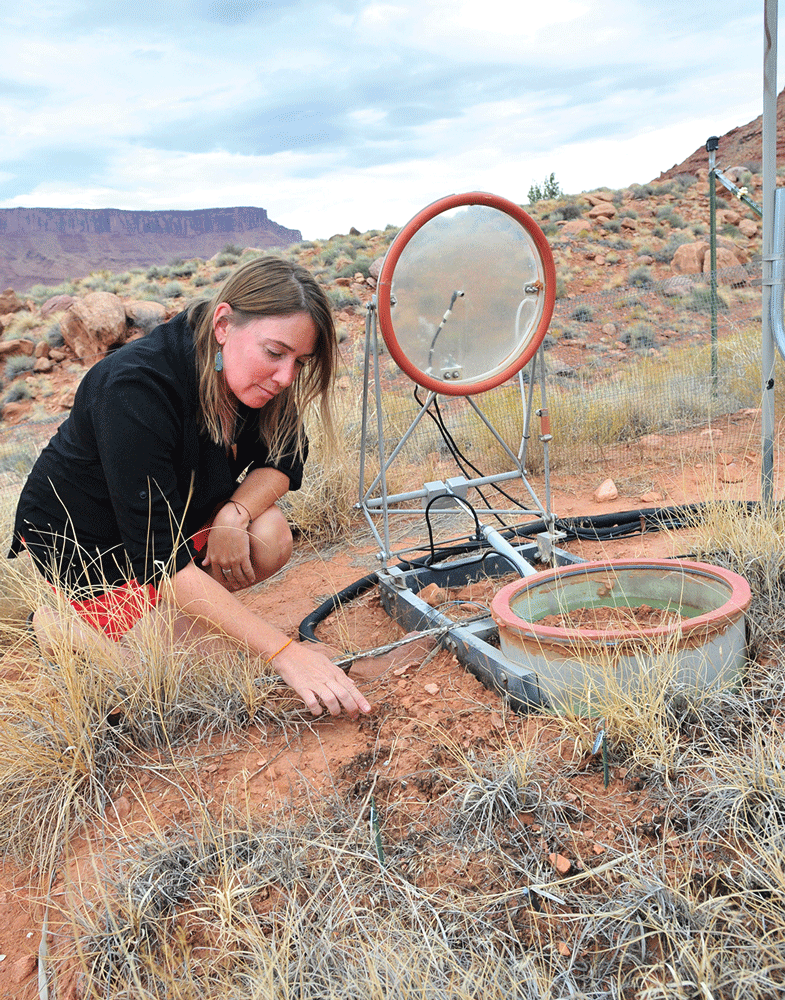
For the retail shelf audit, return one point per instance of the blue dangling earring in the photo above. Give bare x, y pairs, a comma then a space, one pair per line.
219, 360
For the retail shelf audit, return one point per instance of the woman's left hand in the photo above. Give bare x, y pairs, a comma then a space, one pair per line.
228, 554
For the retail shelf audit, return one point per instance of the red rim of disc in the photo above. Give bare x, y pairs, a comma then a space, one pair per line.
384, 290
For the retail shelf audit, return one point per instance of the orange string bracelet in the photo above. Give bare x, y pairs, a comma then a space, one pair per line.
287, 643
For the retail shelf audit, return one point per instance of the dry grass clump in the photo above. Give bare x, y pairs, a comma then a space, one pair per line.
750, 541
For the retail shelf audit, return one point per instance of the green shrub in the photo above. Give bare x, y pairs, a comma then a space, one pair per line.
571, 211
18, 364
17, 392
221, 275
184, 269
583, 314
640, 336
640, 276
225, 257
54, 336
233, 248
201, 280
700, 301
172, 290
640, 191
340, 298
156, 272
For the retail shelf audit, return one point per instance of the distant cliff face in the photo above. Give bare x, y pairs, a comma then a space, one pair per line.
50, 245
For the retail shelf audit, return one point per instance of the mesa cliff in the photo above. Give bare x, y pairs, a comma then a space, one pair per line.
50, 245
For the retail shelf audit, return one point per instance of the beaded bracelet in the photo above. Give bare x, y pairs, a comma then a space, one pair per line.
287, 643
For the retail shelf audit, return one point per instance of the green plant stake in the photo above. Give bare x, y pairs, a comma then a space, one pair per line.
377, 832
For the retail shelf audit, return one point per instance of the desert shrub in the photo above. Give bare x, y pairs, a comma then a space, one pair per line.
233, 248
583, 314
221, 274
18, 364
640, 276
97, 283
667, 213
340, 298
684, 181
662, 189
156, 272
700, 301
549, 228
640, 336
612, 225
665, 254
184, 269
362, 264
699, 229
172, 290
54, 336
640, 191
40, 293
201, 280
18, 391
571, 211
225, 257
731, 231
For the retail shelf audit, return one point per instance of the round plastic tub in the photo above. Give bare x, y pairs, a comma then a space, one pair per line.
706, 647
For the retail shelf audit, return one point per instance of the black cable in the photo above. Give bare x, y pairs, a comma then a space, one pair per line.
599, 527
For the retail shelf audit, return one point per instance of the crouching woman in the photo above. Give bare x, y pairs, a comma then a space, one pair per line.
169, 468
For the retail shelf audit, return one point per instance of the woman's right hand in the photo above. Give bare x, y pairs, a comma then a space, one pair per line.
317, 680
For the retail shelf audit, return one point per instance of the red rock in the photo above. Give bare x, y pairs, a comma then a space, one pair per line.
43, 365
9, 302
433, 595
602, 210
58, 303
730, 473
560, 863
23, 968
606, 492
688, 259
94, 324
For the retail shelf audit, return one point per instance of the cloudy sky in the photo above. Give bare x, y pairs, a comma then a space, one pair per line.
356, 113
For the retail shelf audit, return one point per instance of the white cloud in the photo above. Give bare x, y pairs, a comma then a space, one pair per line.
353, 113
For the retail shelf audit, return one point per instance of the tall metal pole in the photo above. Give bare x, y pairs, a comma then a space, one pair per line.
711, 148
769, 181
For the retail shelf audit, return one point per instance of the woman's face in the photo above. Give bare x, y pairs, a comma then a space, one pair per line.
263, 356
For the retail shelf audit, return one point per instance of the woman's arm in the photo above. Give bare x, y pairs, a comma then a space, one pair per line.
301, 665
229, 551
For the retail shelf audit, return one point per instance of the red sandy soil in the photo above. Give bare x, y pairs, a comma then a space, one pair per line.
422, 698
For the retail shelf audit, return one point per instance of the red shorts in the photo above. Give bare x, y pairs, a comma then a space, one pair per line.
116, 611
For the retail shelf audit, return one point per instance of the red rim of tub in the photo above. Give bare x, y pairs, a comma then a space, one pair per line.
737, 603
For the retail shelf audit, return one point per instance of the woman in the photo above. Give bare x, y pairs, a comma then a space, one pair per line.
196, 426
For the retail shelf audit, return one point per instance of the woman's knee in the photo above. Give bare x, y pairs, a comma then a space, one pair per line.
271, 542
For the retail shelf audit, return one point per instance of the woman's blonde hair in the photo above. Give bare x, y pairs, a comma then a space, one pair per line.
267, 286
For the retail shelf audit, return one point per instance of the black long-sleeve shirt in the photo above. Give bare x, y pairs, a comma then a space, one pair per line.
129, 476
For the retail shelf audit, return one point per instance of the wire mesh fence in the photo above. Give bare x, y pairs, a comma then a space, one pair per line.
621, 364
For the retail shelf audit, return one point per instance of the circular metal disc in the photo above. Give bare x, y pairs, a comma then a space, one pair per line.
466, 293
